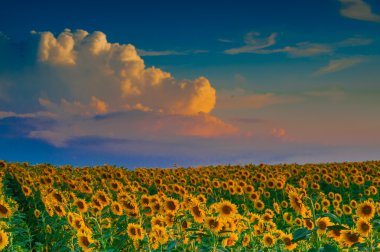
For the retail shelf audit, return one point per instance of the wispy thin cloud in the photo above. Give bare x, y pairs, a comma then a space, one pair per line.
225, 40
304, 49
333, 93
358, 9
339, 65
159, 53
355, 41
152, 53
254, 42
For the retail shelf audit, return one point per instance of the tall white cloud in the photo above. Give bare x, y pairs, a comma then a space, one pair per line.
118, 74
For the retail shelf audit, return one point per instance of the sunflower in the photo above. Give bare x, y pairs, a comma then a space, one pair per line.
59, 210
325, 203
249, 189
363, 227
323, 223
37, 213
81, 205
269, 240
227, 209
254, 196
197, 213
347, 210
246, 240
115, 185
116, 208
58, 197
3, 239
171, 205
5, 210
158, 235
334, 233
350, 237
353, 204
26, 190
284, 204
287, 217
214, 224
298, 222
288, 241
144, 200
230, 241
296, 203
103, 198
259, 205
158, 220
135, 231
308, 223
84, 241
366, 210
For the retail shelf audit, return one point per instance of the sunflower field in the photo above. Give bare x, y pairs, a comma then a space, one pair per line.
285, 207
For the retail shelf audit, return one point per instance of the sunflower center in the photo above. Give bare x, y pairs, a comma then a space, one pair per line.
196, 211
213, 223
3, 209
85, 241
287, 241
364, 227
80, 204
322, 225
133, 231
226, 209
353, 237
269, 240
367, 209
171, 205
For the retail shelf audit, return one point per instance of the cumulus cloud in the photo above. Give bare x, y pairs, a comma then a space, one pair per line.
77, 77
358, 9
118, 74
339, 65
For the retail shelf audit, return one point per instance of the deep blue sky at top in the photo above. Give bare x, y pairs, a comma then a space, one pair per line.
189, 25
178, 23
184, 25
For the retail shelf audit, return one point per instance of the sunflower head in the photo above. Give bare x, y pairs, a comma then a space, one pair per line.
269, 240
3, 239
135, 231
214, 224
5, 210
364, 227
366, 210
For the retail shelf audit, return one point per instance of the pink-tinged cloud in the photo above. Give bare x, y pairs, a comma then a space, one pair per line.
239, 99
134, 124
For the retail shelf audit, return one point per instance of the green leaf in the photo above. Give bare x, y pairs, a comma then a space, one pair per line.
337, 227
332, 217
171, 245
329, 248
300, 234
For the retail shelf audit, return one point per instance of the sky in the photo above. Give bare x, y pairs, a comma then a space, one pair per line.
187, 83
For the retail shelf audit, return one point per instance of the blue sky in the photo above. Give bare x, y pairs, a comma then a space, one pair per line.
266, 81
